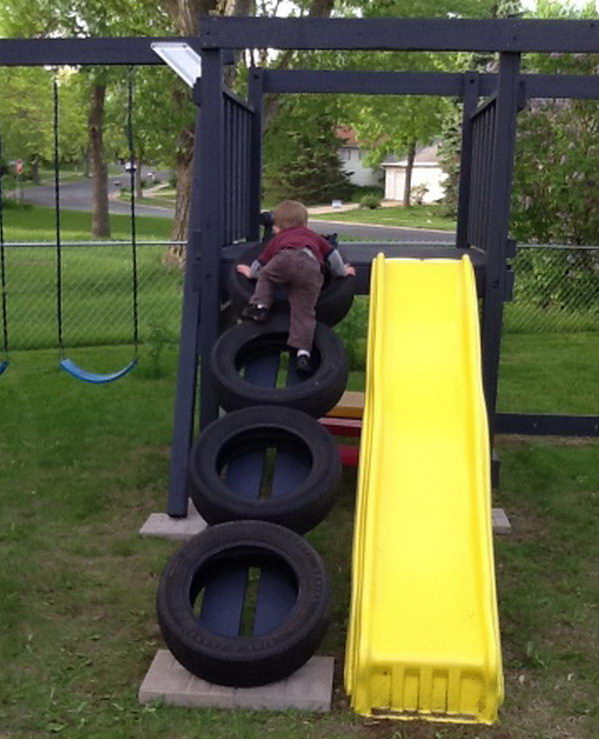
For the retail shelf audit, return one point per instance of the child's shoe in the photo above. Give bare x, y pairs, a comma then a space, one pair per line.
303, 365
257, 313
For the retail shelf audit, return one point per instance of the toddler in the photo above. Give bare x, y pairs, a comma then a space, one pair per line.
295, 257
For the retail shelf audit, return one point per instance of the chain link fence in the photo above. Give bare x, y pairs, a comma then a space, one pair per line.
556, 291
97, 306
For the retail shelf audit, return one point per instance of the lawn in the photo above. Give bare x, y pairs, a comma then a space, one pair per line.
36, 223
83, 466
97, 296
165, 197
418, 216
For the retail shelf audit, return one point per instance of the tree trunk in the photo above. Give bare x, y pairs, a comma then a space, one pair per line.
407, 191
35, 169
100, 220
176, 253
86, 163
184, 15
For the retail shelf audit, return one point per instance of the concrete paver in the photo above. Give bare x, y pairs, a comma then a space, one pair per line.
309, 688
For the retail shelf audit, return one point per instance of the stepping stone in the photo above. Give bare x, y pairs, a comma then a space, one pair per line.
163, 526
308, 689
501, 523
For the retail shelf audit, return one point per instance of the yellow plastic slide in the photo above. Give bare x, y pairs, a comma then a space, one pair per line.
423, 637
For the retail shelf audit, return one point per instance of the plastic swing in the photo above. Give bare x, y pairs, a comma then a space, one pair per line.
3, 300
65, 363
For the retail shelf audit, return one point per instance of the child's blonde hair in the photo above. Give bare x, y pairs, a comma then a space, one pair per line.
290, 214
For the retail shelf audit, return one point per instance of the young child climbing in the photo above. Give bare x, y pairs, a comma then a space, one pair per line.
295, 257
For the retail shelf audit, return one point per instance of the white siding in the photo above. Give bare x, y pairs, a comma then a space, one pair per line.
352, 162
431, 176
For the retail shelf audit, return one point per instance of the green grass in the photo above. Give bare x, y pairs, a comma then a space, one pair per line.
96, 282
418, 216
9, 181
161, 199
549, 373
521, 317
83, 466
38, 224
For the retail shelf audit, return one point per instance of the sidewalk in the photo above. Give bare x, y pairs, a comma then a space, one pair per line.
322, 209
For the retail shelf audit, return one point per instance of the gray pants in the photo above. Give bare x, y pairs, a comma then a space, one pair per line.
302, 276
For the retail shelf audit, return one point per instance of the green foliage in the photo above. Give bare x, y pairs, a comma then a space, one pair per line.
26, 114
418, 193
556, 187
559, 280
27, 111
362, 190
449, 156
352, 331
301, 154
370, 201
158, 337
12, 204
392, 124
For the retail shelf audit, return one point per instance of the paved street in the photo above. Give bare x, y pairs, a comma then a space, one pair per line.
78, 196
381, 233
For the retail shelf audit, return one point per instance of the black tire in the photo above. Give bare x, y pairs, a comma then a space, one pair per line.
336, 296
247, 341
243, 661
236, 436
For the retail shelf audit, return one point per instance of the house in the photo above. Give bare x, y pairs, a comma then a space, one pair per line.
426, 171
351, 155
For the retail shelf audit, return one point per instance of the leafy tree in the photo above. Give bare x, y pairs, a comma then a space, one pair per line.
301, 152
185, 17
26, 117
35, 18
451, 132
556, 184
401, 124
556, 187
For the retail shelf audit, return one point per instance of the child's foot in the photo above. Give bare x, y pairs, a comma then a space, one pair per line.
303, 365
257, 313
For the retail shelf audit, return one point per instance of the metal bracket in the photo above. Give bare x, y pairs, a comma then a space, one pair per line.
508, 292
196, 93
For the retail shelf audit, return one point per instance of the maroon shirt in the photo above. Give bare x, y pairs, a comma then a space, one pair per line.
300, 237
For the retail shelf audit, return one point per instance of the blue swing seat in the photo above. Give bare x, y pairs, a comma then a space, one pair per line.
3, 365
97, 379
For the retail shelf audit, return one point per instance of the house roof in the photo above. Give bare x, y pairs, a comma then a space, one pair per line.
426, 157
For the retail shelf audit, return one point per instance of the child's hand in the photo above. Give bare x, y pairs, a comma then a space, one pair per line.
245, 270
350, 271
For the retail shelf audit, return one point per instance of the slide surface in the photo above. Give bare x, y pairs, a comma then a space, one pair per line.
423, 638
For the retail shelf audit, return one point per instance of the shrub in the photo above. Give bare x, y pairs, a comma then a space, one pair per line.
418, 192
370, 201
12, 204
352, 331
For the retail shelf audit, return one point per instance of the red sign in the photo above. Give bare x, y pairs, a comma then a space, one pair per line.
19, 166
